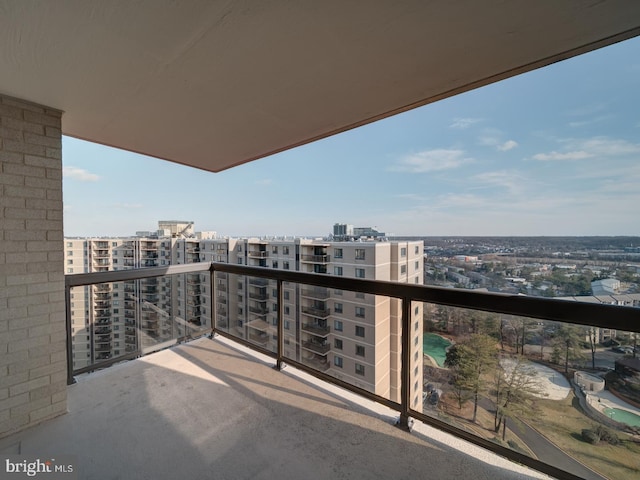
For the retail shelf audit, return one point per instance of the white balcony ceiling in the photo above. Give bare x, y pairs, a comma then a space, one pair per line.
213, 84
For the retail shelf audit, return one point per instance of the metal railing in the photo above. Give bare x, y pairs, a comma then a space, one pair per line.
588, 314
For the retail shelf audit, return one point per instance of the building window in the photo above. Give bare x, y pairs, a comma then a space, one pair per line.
417, 266
337, 361
286, 310
69, 270
415, 341
274, 264
114, 244
359, 272
286, 294
285, 265
359, 253
360, 295
360, 331
285, 250
69, 262
359, 369
417, 250
416, 310
337, 270
337, 253
337, 325
69, 244
403, 252
337, 343
337, 307
70, 253
403, 269
287, 324
337, 292
416, 326
239, 260
239, 248
360, 312
274, 293
360, 350
274, 249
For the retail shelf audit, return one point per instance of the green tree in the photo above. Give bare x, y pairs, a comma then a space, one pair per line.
516, 387
471, 360
567, 342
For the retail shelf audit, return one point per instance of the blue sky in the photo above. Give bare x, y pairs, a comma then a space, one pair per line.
551, 152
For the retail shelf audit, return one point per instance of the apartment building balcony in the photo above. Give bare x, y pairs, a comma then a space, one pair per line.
317, 347
222, 299
148, 263
258, 295
102, 313
221, 287
320, 259
150, 297
259, 310
194, 301
316, 293
103, 339
103, 347
258, 282
257, 254
128, 254
319, 329
101, 245
317, 312
102, 288
103, 321
102, 303
102, 330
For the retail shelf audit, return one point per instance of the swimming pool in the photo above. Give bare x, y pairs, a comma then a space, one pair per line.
436, 347
623, 416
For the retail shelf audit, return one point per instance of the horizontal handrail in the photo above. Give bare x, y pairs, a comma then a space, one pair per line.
582, 313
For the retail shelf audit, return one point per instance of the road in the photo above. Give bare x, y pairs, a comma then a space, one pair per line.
546, 451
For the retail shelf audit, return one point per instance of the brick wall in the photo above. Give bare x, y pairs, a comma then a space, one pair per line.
32, 322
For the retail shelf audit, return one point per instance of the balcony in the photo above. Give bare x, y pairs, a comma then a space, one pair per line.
316, 293
258, 254
319, 348
316, 328
218, 376
315, 258
258, 295
317, 312
313, 355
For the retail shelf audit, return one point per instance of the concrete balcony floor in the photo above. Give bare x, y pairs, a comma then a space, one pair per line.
210, 409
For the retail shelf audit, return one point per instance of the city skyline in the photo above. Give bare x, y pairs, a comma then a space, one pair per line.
551, 152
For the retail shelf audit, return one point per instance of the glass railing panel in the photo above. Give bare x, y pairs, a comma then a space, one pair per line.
566, 394
351, 336
247, 308
118, 319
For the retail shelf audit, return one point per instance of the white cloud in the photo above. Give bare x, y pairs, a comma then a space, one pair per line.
511, 181
79, 174
508, 145
578, 149
463, 123
432, 160
553, 156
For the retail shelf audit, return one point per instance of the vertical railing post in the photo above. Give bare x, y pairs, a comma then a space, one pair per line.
67, 307
405, 366
214, 304
280, 349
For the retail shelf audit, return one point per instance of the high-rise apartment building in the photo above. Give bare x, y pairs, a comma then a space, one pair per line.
352, 336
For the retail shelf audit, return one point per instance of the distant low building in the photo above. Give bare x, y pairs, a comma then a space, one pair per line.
607, 286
